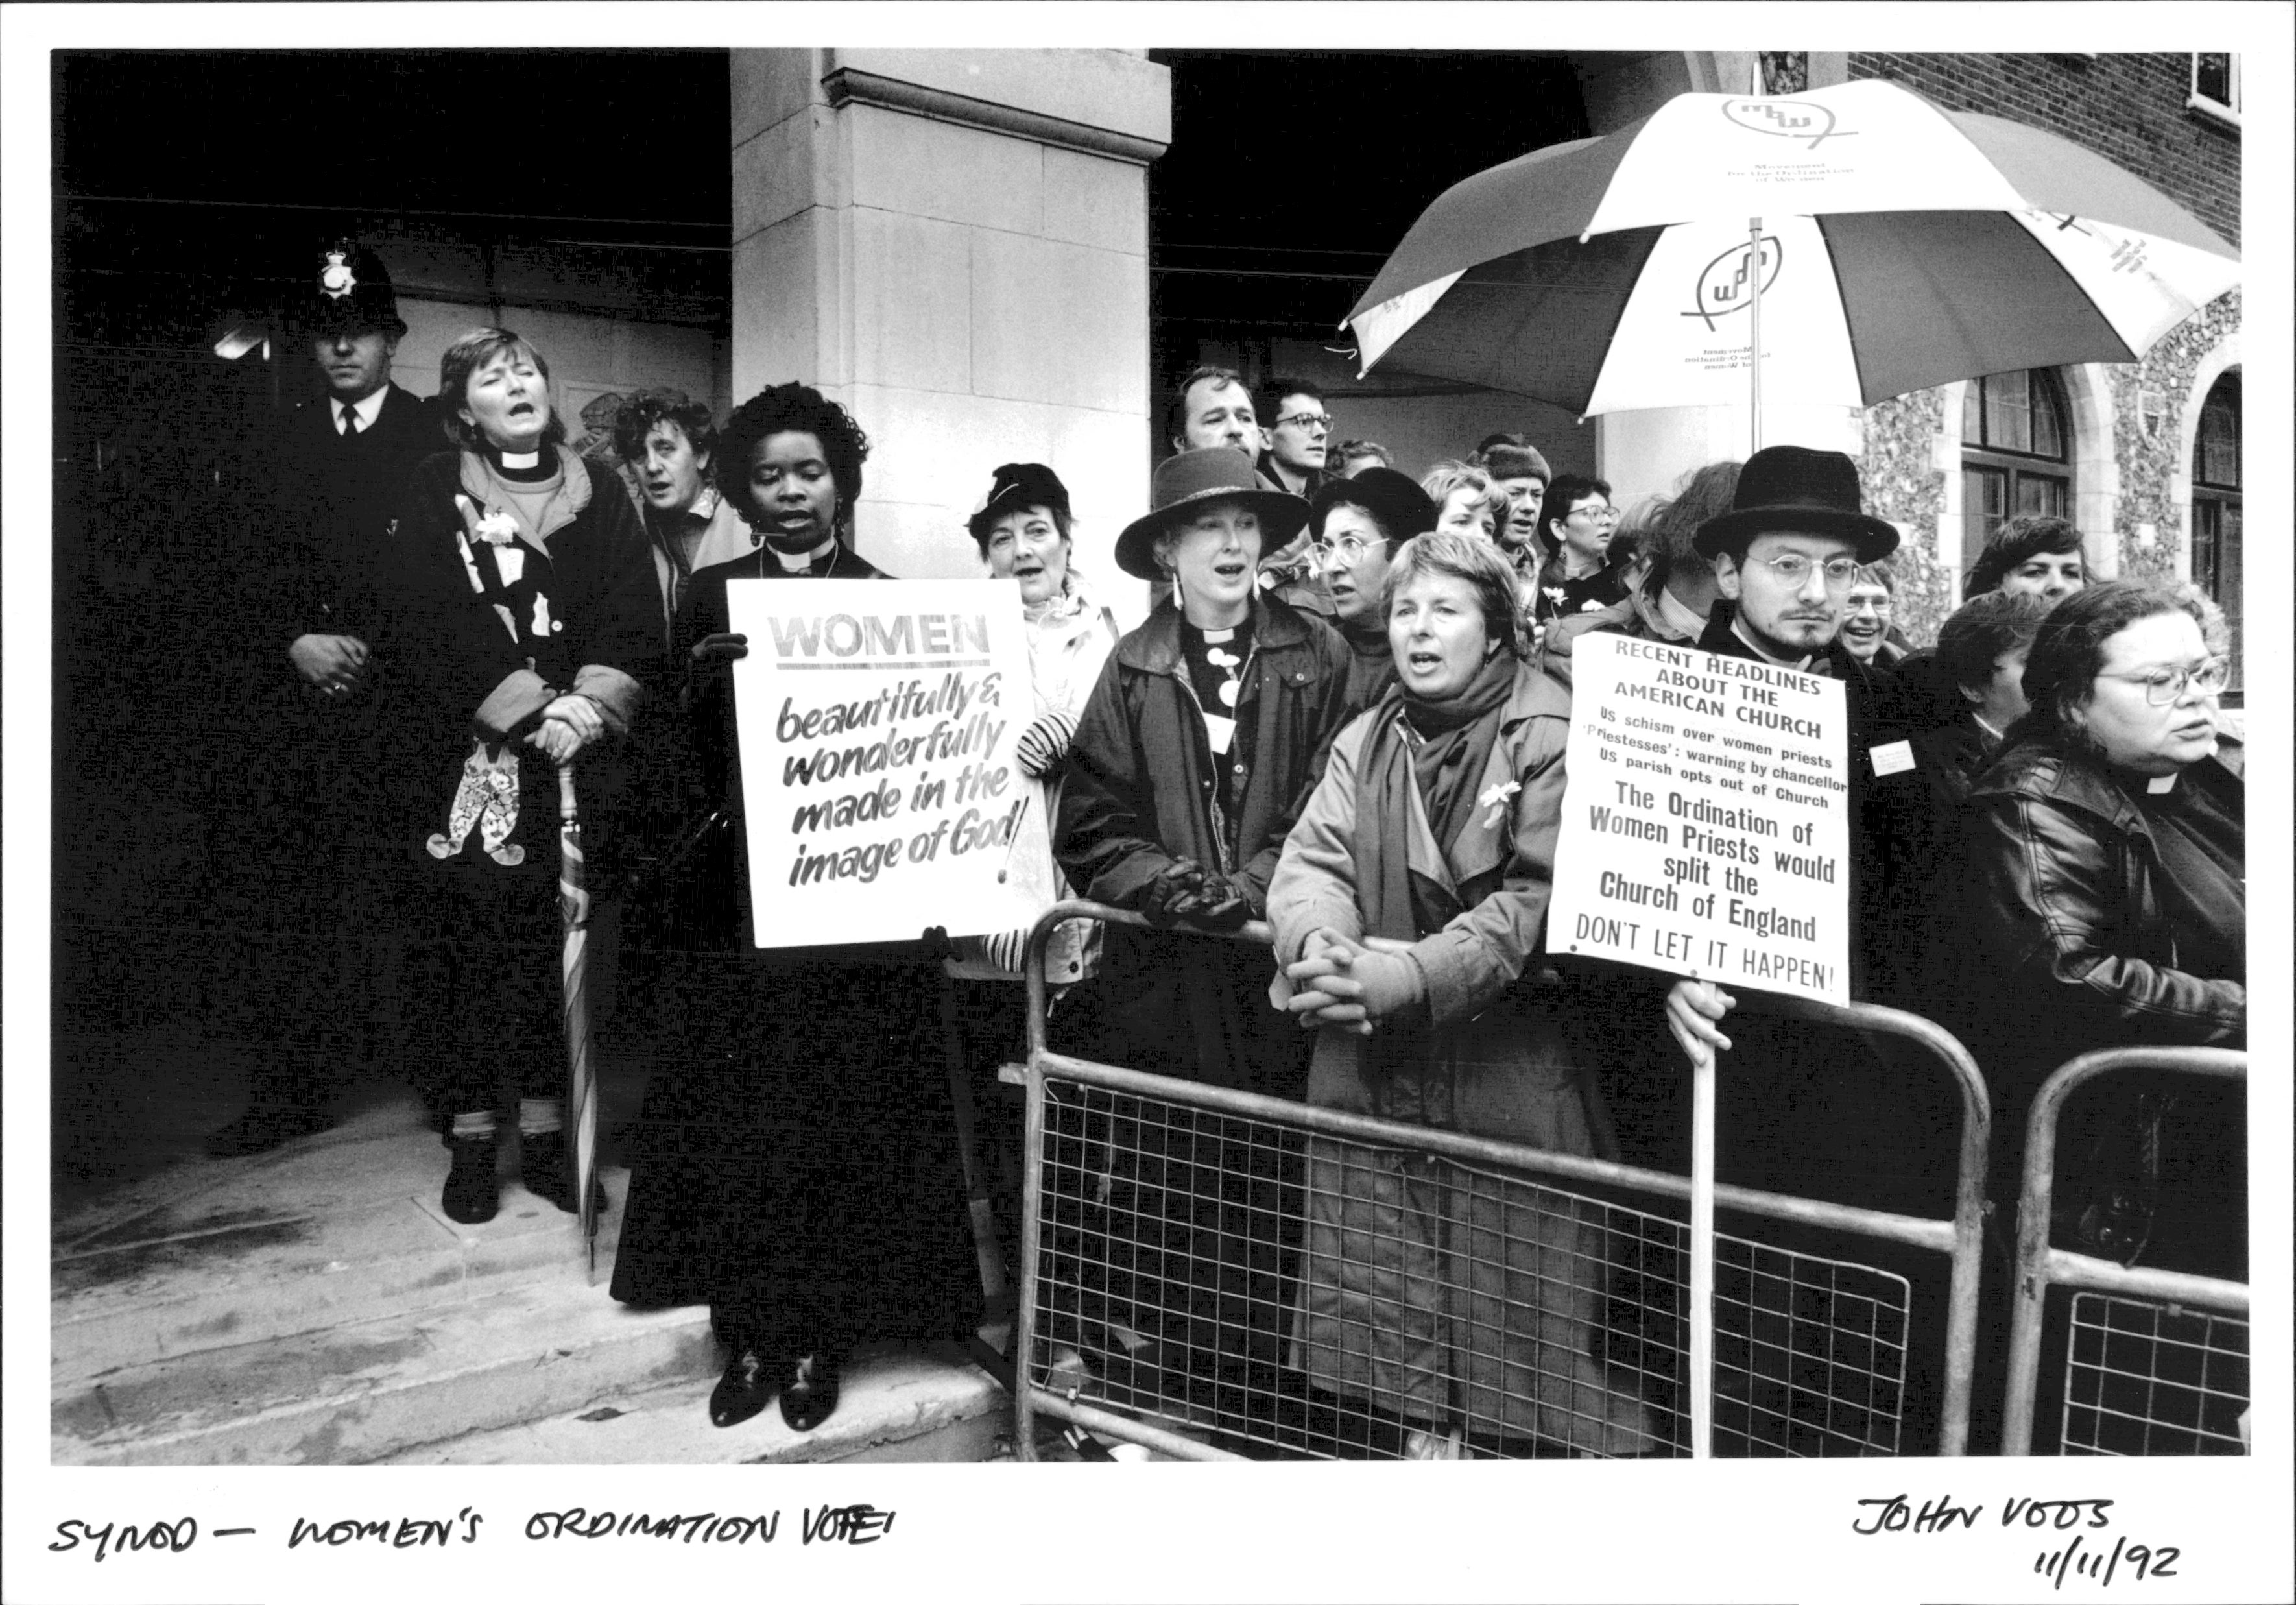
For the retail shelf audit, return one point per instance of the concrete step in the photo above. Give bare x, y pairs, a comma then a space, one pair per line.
325, 1232
365, 1390
905, 1405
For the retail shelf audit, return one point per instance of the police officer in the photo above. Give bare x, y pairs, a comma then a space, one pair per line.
326, 489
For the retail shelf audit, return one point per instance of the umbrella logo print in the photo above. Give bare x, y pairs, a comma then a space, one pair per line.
1786, 119
1725, 285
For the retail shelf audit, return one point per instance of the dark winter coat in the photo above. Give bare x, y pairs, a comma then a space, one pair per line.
1892, 827
481, 650
2065, 921
1142, 793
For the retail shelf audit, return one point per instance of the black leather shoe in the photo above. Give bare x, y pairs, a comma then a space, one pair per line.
264, 1128
744, 1390
809, 1391
472, 1194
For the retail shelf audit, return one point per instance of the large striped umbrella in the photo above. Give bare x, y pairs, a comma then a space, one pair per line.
581, 1069
1901, 246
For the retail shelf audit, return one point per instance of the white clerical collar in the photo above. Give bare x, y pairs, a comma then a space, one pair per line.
365, 411
800, 563
521, 460
2158, 783
1977, 719
1801, 664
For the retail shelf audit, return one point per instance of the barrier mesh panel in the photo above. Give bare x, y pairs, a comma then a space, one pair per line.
2143, 1377
1263, 1289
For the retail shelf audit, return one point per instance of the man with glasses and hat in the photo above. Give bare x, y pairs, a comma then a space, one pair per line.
1785, 556
1814, 1110
335, 471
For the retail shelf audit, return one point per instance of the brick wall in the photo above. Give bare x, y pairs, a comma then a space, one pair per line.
2130, 109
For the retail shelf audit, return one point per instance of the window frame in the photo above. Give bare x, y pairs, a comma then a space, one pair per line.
2015, 467
2226, 112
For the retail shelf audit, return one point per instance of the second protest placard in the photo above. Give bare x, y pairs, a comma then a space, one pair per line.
1706, 823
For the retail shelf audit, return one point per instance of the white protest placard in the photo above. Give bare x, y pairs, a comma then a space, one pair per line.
1705, 824
877, 719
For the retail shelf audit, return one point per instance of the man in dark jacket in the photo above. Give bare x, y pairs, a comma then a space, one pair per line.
336, 467
1785, 558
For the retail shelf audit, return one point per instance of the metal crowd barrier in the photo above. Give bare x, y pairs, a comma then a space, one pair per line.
1149, 1197
2156, 1360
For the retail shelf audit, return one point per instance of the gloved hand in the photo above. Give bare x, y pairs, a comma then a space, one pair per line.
1044, 743
1220, 901
1167, 897
706, 662
721, 648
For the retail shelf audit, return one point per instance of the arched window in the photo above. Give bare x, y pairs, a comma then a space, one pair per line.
2013, 453
2216, 503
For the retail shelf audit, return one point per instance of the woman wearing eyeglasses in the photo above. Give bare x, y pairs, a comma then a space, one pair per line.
1580, 575
1355, 525
2105, 899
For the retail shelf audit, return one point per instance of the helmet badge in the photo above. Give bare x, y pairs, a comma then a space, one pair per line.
335, 279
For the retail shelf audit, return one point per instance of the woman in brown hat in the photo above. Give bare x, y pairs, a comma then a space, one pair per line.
1201, 739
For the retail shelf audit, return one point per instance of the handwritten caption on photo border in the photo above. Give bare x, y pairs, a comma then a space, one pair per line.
878, 721
1705, 824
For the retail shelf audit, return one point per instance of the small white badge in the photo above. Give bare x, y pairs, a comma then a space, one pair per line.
1892, 757
1221, 731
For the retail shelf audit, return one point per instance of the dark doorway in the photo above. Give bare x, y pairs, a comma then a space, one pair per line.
189, 190
1292, 175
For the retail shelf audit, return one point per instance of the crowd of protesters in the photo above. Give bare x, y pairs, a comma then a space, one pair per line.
1345, 715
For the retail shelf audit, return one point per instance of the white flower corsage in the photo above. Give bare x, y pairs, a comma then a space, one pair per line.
1496, 797
1555, 593
498, 528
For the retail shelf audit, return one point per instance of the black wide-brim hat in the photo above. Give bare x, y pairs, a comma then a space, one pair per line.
344, 288
1395, 499
1792, 490
1211, 473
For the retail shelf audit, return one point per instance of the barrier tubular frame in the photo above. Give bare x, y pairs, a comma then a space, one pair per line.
2040, 1267
1960, 1239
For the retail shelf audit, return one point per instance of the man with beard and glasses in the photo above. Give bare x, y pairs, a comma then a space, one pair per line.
1808, 1110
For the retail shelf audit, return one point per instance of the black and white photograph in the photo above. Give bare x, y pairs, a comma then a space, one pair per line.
1483, 745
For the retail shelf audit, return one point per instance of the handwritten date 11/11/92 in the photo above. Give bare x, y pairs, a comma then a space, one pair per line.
2082, 1558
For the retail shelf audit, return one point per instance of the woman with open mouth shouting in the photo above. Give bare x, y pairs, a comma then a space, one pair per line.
1190, 762
522, 602
1440, 1308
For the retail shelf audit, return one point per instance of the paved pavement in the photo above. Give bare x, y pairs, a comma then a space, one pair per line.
313, 1305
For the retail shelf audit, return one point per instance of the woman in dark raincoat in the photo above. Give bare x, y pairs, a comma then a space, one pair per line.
1190, 762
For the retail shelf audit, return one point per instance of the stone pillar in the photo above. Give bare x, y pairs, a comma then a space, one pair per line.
953, 243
